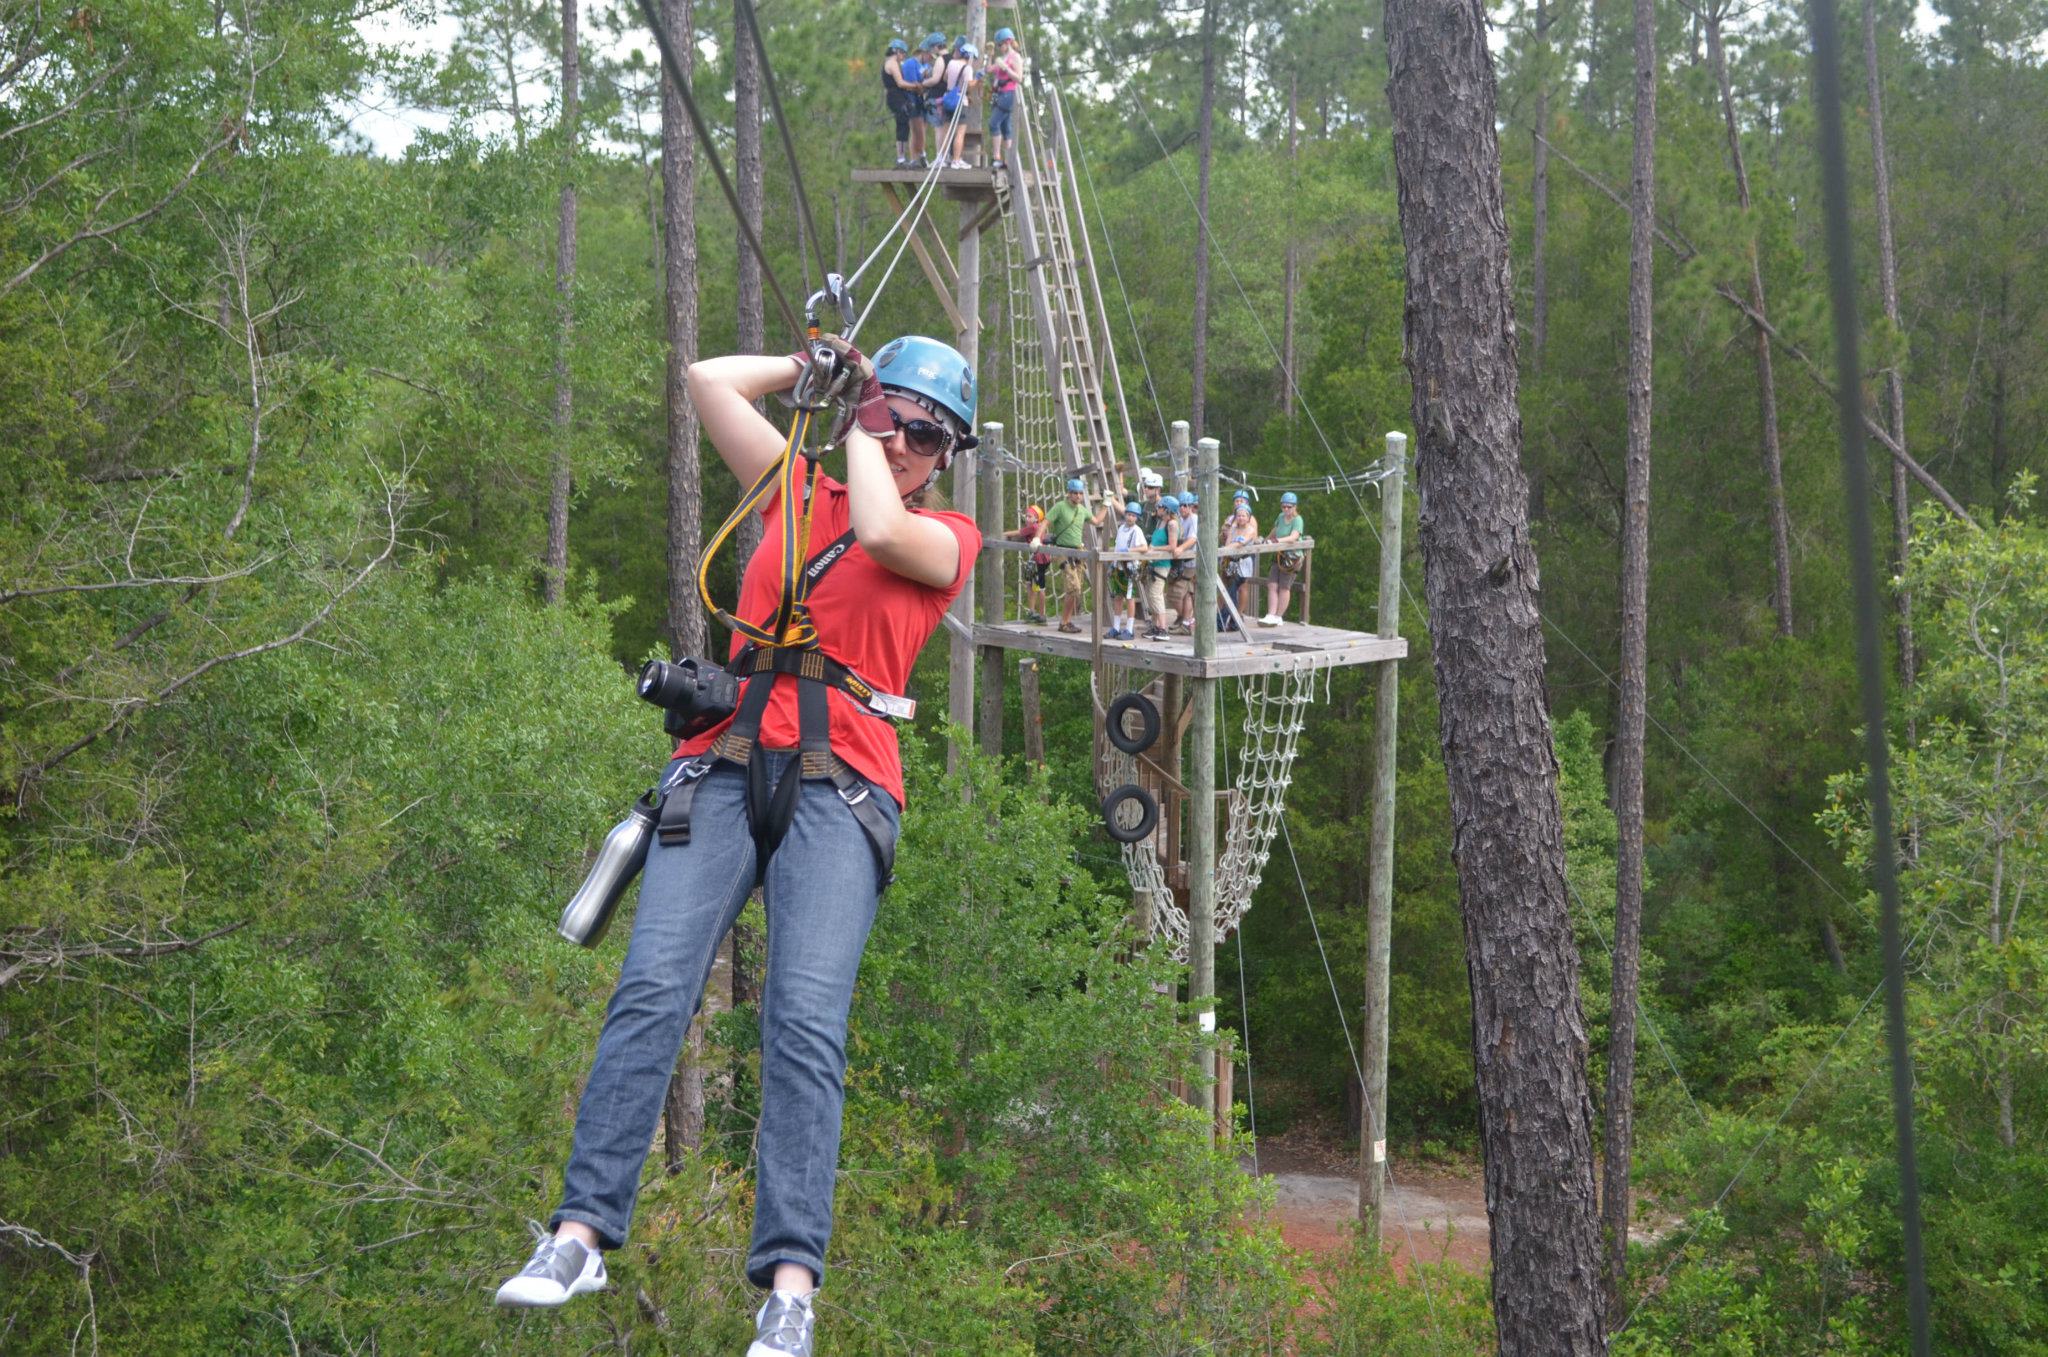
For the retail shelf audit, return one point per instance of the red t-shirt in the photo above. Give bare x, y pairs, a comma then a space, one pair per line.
868, 617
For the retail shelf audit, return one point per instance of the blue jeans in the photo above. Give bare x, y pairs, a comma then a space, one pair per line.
821, 892
999, 111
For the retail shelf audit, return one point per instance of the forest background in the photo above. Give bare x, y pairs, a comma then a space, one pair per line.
299, 761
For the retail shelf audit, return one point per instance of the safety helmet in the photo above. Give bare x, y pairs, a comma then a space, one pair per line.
1004, 35
1190, 500
932, 40
898, 45
1289, 498
1242, 497
1133, 507
1168, 502
968, 50
935, 375
1076, 487
1033, 511
1151, 479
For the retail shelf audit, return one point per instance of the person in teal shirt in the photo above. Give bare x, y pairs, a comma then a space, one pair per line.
1066, 525
1287, 564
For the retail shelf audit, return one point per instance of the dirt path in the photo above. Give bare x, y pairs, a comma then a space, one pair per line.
1435, 1217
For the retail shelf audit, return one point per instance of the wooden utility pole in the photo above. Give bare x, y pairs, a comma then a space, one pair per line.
555, 565
1177, 452
1635, 574
1201, 783
961, 659
1480, 580
1205, 146
1379, 884
988, 585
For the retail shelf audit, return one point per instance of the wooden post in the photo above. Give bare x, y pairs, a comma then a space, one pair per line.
988, 585
1379, 882
1177, 450
966, 338
1201, 779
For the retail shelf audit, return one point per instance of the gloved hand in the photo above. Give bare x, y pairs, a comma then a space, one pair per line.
854, 387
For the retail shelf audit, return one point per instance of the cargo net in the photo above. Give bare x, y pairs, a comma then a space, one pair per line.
1259, 772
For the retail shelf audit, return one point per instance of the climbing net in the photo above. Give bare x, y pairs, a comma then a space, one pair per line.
1275, 705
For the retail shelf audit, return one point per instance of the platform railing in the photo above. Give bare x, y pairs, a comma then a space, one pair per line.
995, 549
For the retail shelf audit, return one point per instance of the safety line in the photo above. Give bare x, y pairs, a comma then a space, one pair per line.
1367, 1123
1088, 174
796, 173
673, 67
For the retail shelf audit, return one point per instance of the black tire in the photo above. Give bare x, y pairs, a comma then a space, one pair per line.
1148, 813
1148, 723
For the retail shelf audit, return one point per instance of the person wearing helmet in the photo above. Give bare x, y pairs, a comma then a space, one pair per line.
1130, 536
1036, 568
961, 82
883, 573
1180, 585
931, 83
900, 96
1006, 75
1066, 525
1288, 527
1239, 530
1165, 539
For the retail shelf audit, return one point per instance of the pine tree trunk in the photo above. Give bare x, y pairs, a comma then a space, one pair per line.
1480, 578
1766, 377
746, 155
1291, 276
1894, 381
1539, 211
1635, 573
685, 620
1205, 144
555, 565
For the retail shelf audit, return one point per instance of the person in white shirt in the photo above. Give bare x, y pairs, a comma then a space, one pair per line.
1130, 536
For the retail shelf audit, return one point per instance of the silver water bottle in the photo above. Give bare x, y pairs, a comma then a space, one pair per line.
589, 912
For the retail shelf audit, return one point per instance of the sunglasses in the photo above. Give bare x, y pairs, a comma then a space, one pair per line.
924, 437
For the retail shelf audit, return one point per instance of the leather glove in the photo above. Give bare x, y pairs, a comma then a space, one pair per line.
854, 387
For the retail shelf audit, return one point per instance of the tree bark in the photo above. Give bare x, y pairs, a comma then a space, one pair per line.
1766, 377
685, 620
1539, 193
1619, 1139
1481, 582
1894, 380
746, 155
1291, 274
1205, 146
555, 565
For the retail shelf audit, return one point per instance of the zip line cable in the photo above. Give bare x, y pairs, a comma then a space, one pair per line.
673, 66
796, 174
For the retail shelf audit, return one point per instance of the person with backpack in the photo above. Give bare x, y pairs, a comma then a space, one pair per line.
797, 791
1165, 541
1006, 75
958, 98
900, 96
1288, 527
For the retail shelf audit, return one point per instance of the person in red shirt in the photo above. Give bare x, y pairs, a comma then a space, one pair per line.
906, 413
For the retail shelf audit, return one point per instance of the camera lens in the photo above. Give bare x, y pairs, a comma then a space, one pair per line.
663, 683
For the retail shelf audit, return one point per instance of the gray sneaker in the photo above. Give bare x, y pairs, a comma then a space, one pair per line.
559, 1269
783, 1327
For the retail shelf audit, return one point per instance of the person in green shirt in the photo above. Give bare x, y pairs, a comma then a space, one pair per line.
1287, 564
1066, 524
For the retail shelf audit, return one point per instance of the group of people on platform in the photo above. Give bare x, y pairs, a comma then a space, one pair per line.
939, 86
1167, 528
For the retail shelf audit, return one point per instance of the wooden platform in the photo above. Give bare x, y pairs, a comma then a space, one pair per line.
1265, 650
975, 185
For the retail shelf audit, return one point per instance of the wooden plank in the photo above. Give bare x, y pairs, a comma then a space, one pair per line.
1278, 649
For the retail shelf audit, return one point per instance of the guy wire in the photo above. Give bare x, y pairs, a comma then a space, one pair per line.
796, 174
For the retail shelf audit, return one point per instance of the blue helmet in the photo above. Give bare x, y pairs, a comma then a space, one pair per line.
933, 373
898, 45
1242, 497
1289, 498
967, 49
932, 40
1168, 502
1133, 507
1076, 487
1004, 35
1190, 500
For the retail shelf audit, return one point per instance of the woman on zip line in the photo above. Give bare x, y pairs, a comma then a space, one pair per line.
906, 413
